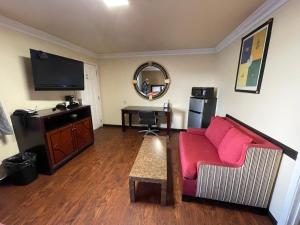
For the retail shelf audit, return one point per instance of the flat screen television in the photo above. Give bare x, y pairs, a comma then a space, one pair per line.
53, 72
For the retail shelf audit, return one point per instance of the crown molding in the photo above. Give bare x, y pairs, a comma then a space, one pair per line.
195, 51
17, 26
259, 15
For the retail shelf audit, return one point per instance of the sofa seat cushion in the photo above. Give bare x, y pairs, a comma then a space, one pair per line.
217, 130
232, 148
194, 149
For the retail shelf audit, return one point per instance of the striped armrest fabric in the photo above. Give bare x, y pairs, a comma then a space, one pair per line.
250, 184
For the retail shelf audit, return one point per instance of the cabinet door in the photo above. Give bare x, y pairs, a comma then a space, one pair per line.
61, 144
83, 133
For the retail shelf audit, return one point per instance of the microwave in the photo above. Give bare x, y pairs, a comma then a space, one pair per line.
203, 92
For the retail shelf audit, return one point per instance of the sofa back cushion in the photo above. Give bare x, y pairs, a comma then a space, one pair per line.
232, 147
217, 130
257, 139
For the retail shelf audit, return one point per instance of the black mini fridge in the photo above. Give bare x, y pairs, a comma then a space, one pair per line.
201, 108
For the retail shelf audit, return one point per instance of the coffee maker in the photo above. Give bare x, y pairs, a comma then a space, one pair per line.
70, 101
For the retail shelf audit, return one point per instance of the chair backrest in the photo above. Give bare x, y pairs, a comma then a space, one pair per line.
147, 117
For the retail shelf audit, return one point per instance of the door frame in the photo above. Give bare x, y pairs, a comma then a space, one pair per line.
99, 87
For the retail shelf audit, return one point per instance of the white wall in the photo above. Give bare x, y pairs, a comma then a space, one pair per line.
16, 78
275, 111
185, 72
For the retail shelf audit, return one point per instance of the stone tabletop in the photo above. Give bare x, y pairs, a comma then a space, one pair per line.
151, 161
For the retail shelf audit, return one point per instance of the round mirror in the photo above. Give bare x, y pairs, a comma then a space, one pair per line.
151, 80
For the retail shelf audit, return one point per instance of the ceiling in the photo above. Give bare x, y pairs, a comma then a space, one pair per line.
144, 25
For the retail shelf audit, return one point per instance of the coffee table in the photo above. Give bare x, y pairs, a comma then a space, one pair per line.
150, 165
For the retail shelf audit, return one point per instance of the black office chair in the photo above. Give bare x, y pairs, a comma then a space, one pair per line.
149, 119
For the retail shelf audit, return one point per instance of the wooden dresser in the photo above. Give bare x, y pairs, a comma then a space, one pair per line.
56, 136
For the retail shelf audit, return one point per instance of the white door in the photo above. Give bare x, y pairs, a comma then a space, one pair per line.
91, 94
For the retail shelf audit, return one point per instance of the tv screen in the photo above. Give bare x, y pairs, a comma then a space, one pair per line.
53, 72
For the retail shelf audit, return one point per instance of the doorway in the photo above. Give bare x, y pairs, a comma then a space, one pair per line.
91, 94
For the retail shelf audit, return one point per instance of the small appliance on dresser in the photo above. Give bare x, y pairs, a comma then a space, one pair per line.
202, 107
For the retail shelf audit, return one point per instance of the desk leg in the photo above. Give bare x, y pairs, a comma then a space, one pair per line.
130, 120
123, 121
168, 122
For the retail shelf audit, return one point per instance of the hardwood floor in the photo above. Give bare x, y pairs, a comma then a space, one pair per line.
93, 189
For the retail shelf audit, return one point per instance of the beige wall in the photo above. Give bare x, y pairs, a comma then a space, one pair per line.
185, 72
275, 111
16, 80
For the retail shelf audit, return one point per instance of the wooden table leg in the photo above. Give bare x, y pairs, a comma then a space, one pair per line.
123, 121
130, 120
164, 193
132, 190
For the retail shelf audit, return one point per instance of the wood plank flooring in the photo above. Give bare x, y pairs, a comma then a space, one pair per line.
93, 189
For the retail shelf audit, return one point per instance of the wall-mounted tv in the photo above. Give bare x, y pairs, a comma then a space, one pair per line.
53, 72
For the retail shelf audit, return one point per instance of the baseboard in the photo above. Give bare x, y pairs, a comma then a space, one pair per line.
272, 218
137, 127
111, 125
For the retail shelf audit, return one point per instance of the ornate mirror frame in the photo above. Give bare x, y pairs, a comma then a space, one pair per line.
162, 69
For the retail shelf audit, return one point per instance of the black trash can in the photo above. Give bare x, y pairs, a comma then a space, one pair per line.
21, 167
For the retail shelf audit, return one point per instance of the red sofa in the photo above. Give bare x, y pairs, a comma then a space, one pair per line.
228, 162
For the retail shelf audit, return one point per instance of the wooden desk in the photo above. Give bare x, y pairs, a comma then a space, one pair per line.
136, 109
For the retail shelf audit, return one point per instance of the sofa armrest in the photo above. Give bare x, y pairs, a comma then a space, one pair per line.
197, 131
251, 184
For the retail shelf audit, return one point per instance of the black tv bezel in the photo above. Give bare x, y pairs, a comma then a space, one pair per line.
55, 87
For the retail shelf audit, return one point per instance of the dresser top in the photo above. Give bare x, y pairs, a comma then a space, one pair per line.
51, 112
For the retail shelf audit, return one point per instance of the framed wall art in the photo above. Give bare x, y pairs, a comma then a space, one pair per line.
253, 54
